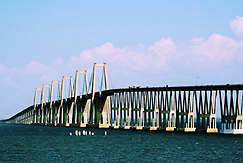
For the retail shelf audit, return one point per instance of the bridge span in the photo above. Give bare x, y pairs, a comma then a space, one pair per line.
181, 108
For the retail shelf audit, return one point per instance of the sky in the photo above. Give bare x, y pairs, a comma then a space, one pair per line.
143, 43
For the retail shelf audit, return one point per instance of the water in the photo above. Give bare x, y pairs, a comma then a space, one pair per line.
24, 143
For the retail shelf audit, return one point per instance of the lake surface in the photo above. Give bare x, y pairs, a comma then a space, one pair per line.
27, 143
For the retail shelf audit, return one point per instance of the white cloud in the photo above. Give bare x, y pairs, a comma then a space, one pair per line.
217, 48
136, 57
8, 82
163, 47
35, 67
164, 56
237, 25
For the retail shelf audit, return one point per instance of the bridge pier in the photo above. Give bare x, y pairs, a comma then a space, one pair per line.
172, 115
212, 128
190, 123
57, 115
171, 122
141, 123
128, 124
239, 122
84, 115
155, 120
106, 113
62, 114
118, 119
104, 123
46, 117
190, 116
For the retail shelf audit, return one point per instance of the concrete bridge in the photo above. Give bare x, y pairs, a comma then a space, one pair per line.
182, 108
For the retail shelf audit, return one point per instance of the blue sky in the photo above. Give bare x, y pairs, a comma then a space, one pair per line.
143, 42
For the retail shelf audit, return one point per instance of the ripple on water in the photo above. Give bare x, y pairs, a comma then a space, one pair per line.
52, 144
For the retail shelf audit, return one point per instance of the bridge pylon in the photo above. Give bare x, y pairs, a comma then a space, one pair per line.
65, 104
52, 113
36, 108
81, 115
44, 107
95, 117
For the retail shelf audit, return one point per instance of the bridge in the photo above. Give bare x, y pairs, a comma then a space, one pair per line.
181, 108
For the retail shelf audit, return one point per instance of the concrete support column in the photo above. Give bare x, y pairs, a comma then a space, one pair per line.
171, 121
190, 123
212, 128
142, 120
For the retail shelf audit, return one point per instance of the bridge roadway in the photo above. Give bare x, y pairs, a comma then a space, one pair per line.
182, 108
